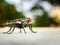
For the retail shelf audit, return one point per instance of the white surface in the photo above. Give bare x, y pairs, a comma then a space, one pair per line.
44, 36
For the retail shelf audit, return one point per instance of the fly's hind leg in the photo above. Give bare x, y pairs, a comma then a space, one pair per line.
12, 30
8, 30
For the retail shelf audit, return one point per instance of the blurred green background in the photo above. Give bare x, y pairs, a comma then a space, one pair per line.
9, 12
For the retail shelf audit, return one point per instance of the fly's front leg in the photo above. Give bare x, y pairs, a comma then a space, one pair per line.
30, 27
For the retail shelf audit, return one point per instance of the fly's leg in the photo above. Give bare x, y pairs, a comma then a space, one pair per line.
24, 31
8, 30
20, 30
12, 30
30, 27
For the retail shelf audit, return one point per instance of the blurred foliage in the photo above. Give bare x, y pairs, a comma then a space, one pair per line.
42, 20
8, 12
54, 2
